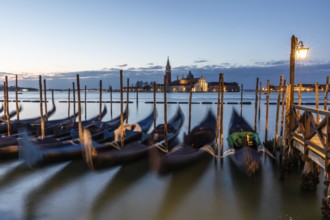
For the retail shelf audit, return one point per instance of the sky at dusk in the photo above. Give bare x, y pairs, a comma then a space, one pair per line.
243, 39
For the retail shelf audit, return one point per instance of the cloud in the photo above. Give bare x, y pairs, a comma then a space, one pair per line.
200, 61
270, 70
123, 65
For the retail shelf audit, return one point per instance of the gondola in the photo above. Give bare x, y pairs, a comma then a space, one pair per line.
244, 144
53, 130
34, 155
15, 125
137, 150
197, 146
11, 114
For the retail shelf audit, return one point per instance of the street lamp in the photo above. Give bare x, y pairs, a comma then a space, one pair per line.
301, 52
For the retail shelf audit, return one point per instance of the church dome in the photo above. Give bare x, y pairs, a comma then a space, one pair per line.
190, 75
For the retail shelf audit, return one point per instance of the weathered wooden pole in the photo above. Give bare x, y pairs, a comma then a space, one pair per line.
317, 100
85, 102
287, 116
16, 94
80, 128
189, 111
45, 94
221, 113
325, 104
155, 110
42, 122
299, 97
260, 90
53, 99
69, 102
283, 104
241, 100
121, 110
217, 134
100, 109
278, 111
7, 108
110, 101
127, 101
4, 100
267, 109
165, 113
256, 105
74, 100
137, 95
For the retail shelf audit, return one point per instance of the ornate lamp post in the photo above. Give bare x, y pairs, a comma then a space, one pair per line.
297, 50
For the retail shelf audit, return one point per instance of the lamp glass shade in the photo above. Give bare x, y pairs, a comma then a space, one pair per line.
302, 53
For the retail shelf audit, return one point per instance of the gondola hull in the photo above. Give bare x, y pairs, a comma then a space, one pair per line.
197, 145
247, 160
140, 149
244, 142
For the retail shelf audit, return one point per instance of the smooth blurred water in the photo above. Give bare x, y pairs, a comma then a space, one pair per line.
206, 190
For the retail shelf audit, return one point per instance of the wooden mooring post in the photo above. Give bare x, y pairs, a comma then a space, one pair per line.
260, 90
42, 122
16, 95
299, 96
283, 104
277, 112
165, 113
100, 107
217, 134
127, 101
80, 128
122, 132
189, 111
74, 100
7, 107
69, 102
85, 102
155, 110
325, 104
221, 113
137, 96
45, 96
110, 88
267, 109
256, 105
241, 112
4, 100
317, 100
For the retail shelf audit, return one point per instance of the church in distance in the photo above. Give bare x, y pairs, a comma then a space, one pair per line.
197, 84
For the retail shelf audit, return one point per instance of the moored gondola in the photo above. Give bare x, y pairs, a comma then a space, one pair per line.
244, 144
197, 146
137, 150
33, 154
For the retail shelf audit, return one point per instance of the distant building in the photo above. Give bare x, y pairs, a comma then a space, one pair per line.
229, 87
183, 85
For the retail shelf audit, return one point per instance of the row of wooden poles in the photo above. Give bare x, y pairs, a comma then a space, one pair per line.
219, 126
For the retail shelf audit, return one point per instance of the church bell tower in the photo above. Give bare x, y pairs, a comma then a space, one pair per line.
168, 71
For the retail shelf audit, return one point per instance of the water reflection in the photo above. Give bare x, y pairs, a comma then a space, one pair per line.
125, 178
36, 197
177, 192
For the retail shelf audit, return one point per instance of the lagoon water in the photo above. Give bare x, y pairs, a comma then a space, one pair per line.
206, 190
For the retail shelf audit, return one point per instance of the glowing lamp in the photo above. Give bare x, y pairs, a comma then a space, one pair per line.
301, 52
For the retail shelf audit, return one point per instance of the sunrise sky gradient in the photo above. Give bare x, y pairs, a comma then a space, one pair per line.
243, 39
